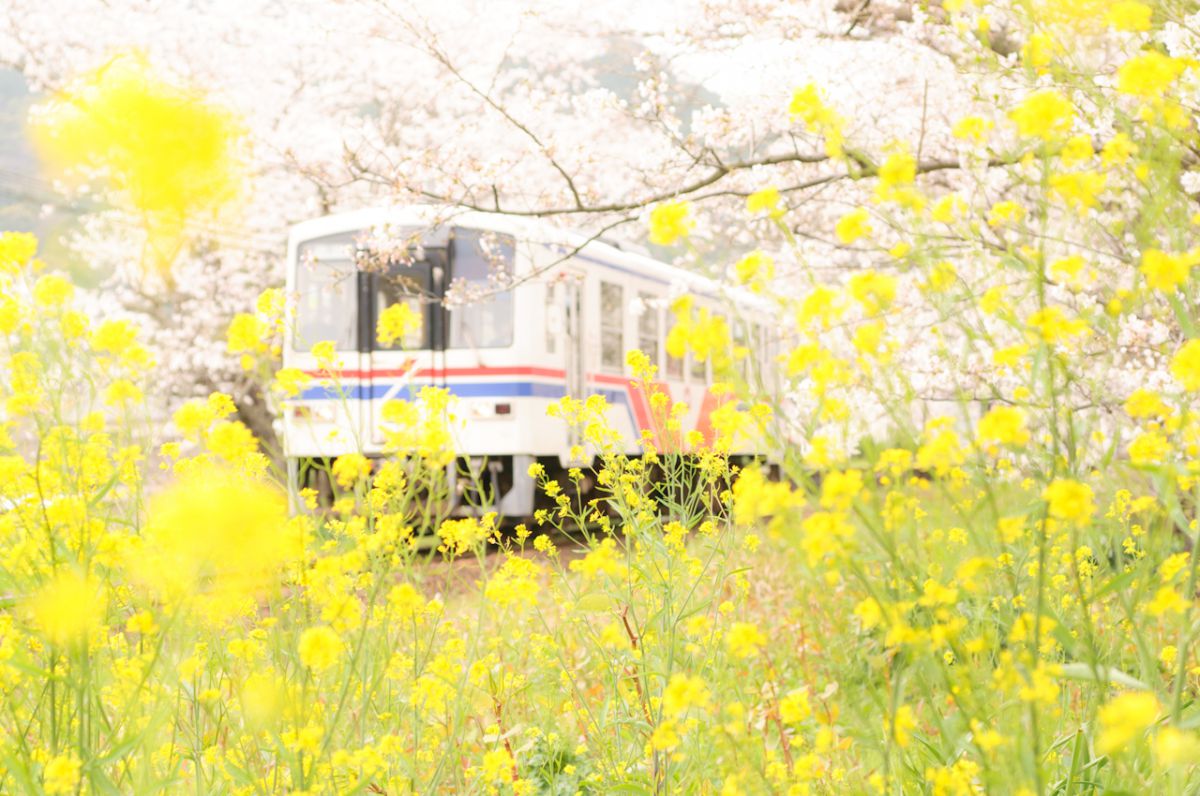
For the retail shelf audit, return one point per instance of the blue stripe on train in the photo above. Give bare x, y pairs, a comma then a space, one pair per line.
515, 389
508, 389
502, 389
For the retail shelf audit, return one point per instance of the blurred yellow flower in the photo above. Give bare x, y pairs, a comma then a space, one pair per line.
53, 290
853, 225
1124, 719
61, 775
671, 221
1044, 114
1185, 366
744, 639
67, 609
794, 707
755, 267
167, 151
1069, 500
766, 201
320, 648
397, 322
16, 250
1129, 15
972, 128
684, 692
1149, 74
1173, 747
1003, 425
215, 539
1165, 271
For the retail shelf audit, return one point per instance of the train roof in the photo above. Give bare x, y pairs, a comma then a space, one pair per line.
531, 229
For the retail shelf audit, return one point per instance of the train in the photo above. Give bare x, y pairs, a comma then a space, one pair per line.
516, 313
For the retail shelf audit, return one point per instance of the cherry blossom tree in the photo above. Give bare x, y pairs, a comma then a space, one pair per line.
592, 116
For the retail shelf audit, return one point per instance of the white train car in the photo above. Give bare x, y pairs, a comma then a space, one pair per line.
572, 309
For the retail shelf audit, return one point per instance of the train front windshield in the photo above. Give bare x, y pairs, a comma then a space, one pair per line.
338, 300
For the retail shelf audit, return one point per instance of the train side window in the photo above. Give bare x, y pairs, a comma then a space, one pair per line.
612, 326
648, 327
743, 338
553, 318
674, 367
481, 267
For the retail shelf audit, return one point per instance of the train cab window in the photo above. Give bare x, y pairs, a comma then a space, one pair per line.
481, 264
326, 294
698, 370
411, 283
648, 327
612, 326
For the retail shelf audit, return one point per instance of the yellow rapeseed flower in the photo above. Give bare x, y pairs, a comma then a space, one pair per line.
665, 737
1052, 324
1124, 719
16, 250
1149, 74
901, 726
972, 128
853, 225
1166, 601
67, 609
1185, 366
684, 692
1039, 50
818, 117
216, 539
61, 775
755, 268
744, 639
1149, 447
1165, 271
1003, 425
53, 290
875, 291
1118, 150
397, 322
1175, 747
349, 469
1145, 403
670, 222
246, 333
1129, 15
1044, 114
320, 648
1069, 500
1004, 213
794, 707
765, 201
168, 152
1079, 189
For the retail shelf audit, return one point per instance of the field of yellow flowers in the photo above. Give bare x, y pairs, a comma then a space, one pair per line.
985, 588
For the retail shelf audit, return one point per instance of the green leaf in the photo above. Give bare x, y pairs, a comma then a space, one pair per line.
594, 603
1086, 672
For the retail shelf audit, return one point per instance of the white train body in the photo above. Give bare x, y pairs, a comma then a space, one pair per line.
574, 308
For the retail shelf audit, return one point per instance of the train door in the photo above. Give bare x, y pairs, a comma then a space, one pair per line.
576, 349
397, 368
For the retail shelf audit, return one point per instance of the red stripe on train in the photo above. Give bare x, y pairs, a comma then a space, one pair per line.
552, 373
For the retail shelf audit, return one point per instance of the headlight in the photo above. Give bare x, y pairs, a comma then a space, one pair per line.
313, 412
